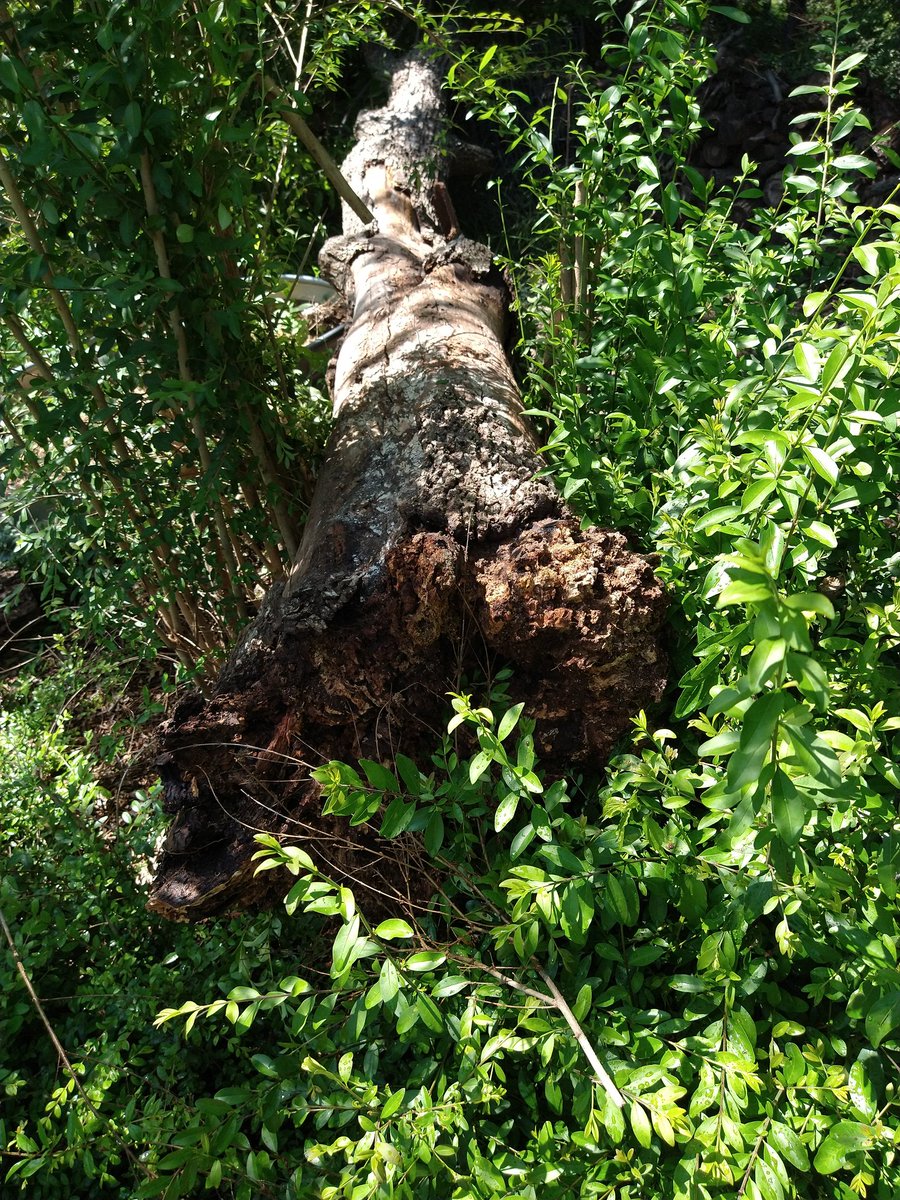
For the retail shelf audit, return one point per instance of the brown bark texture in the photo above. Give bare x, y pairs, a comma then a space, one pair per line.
434, 548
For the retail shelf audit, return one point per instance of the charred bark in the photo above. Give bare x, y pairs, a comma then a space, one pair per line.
433, 544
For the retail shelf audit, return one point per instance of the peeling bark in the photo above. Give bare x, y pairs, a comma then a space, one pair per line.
432, 544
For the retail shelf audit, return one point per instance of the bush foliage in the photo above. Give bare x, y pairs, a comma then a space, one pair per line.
680, 981
157, 403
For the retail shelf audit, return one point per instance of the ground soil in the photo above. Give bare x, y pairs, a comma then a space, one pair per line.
750, 110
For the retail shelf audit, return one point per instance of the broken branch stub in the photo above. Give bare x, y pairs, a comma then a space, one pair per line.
433, 544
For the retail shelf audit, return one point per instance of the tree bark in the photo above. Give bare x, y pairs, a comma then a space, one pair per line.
434, 547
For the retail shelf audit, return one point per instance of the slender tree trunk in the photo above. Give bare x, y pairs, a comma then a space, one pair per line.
433, 547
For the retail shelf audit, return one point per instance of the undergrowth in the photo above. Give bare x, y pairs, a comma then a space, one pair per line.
682, 983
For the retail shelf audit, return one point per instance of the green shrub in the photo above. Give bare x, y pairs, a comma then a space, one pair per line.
720, 917
72, 892
680, 982
156, 396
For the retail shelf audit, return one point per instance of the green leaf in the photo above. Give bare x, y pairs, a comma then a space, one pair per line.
430, 1014
397, 817
582, 1004
489, 1179
530, 781
845, 1138
177, 1158
479, 765
642, 956
717, 518
851, 61
33, 120
185, 233
806, 356
395, 927
616, 891
733, 14
640, 1123
406, 1019
389, 981
852, 162
521, 841
131, 118
822, 463
883, 1018
768, 655
811, 602
264, 1065
8, 77
393, 1103
342, 952
867, 257
688, 983
298, 859
247, 1017
506, 810
756, 494
723, 743
409, 773
814, 755
434, 833
789, 808
706, 1092
379, 777
562, 858
767, 1181
508, 721
425, 960
811, 678
487, 56
788, 1144
449, 986
614, 1121
740, 591
821, 532
863, 1095
244, 993
756, 743
834, 365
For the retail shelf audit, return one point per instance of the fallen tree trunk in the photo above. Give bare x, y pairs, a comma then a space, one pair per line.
433, 546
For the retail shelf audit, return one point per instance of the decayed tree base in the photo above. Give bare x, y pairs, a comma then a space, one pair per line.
575, 612
434, 549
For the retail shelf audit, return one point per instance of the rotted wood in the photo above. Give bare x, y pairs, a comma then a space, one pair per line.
434, 547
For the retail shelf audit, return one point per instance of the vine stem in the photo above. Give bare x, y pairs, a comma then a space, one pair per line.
290, 115
582, 1039
557, 1000
758, 1146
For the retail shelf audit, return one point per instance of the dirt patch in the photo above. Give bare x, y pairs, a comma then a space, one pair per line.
750, 110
